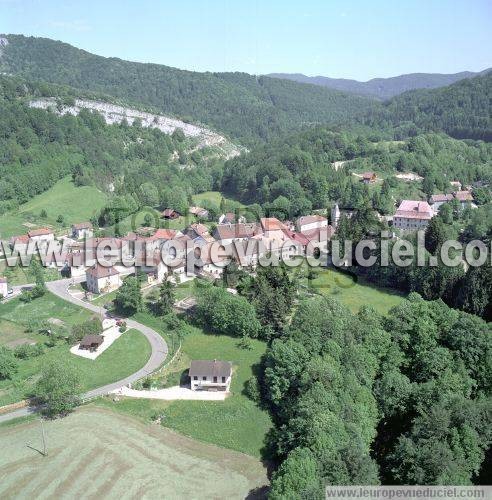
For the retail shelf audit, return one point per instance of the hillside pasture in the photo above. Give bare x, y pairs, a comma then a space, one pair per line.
76, 204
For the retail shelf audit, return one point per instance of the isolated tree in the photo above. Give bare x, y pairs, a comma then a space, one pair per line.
58, 388
166, 297
128, 299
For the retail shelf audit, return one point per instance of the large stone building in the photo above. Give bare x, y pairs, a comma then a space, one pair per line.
412, 215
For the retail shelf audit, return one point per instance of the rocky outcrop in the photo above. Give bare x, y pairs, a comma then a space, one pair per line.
113, 113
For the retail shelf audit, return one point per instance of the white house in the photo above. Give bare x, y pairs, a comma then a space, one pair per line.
436, 201
82, 230
310, 222
100, 279
412, 215
210, 375
42, 235
3, 287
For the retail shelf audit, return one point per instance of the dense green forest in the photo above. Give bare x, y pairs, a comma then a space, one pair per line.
38, 148
289, 176
243, 106
462, 110
251, 108
369, 400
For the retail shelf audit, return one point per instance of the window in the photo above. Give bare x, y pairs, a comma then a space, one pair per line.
215, 379
223, 380
195, 378
204, 378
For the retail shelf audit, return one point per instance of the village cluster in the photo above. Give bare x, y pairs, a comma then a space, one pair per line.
105, 261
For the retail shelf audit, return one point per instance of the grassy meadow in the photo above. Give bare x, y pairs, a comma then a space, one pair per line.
76, 204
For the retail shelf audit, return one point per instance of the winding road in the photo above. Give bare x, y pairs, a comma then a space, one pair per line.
157, 343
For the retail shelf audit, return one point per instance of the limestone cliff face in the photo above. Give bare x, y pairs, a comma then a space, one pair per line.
116, 114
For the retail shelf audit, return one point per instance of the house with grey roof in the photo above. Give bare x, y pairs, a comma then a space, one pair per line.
210, 375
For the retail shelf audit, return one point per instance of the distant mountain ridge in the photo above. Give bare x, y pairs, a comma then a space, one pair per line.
382, 88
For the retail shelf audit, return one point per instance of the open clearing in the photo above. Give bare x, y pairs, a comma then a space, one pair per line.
353, 291
95, 453
76, 204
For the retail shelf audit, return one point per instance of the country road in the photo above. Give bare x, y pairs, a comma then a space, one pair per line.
157, 343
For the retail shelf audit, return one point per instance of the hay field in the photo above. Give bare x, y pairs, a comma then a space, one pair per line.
95, 453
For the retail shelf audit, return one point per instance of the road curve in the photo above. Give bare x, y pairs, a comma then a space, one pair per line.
157, 343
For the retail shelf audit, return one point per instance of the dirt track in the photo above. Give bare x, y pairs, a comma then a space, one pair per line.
96, 453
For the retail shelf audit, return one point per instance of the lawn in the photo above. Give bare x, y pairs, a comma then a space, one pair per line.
19, 275
352, 291
94, 453
125, 356
236, 423
76, 204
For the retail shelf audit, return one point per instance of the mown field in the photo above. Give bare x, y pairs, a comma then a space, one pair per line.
99, 454
125, 356
76, 204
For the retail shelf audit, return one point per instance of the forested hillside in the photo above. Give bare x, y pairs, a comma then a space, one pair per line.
382, 88
462, 110
291, 175
38, 148
244, 106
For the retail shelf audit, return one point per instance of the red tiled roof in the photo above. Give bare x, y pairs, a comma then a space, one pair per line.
241, 230
412, 209
97, 271
43, 231
441, 197
463, 196
23, 238
296, 237
271, 224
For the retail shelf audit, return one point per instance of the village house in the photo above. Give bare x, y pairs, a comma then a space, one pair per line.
75, 265
465, 198
19, 242
272, 228
212, 264
412, 215
199, 234
199, 212
210, 375
230, 218
309, 222
227, 233
91, 342
436, 201
153, 266
170, 213
4, 291
100, 279
42, 235
82, 230
369, 178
